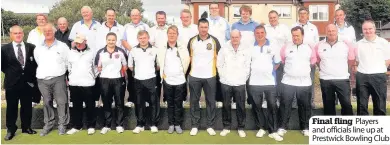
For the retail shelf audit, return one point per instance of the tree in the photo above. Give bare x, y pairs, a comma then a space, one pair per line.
359, 10
8, 19
70, 9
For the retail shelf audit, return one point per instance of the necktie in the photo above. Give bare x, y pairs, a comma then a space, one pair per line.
20, 54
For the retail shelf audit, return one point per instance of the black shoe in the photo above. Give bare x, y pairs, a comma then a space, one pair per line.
29, 131
9, 136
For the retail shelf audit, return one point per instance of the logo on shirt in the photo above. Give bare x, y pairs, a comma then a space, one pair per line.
116, 56
209, 46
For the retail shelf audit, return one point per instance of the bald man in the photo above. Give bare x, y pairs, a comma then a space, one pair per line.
233, 65
335, 60
62, 33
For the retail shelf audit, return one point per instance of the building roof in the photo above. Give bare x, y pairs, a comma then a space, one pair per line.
386, 27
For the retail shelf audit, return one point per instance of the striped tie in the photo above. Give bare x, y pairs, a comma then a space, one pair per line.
20, 54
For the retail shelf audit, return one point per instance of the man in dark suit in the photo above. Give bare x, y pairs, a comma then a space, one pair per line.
19, 67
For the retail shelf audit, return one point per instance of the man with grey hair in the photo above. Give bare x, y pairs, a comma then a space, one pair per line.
63, 31
51, 57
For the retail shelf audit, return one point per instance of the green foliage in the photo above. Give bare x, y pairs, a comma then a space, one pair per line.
26, 30
359, 10
10, 19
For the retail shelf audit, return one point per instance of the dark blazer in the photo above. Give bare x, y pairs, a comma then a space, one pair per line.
15, 75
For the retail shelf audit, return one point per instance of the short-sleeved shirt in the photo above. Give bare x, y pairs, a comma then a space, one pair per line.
102, 32
187, 32
89, 32
279, 33
143, 62
36, 36
220, 28
111, 63
173, 69
372, 55
346, 33
51, 60
311, 36
131, 31
158, 36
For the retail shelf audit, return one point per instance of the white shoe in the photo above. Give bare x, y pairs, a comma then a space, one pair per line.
105, 130
194, 131
219, 104
275, 136
70, 104
234, 106
305, 132
146, 104
97, 104
129, 104
34, 104
113, 105
91, 131
54, 104
260, 133
84, 105
264, 105
224, 132
138, 129
72, 131
120, 129
166, 104
211, 131
154, 129
281, 132
241, 133
200, 105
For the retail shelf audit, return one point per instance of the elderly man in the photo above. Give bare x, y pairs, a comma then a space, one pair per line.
19, 81
233, 65
335, 60
51, 57
187, 30
62, 33
373, 58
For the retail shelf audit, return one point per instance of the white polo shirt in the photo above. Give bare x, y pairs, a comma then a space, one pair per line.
173, 69
219, 28
131, 32
186, 33
158, 36
111, 63
51, 60
333, 60
82, 71
264, 59
203, 55
102, 32
346, 33
36, 36
372, 55
143, 62
311, 33
89, 32
297, 60
234, 66
280, 33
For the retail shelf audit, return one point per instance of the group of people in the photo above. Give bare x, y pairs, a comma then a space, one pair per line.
269, 65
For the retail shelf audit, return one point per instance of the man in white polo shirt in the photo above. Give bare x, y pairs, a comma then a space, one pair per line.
373, 58
233, 65
158, 33
110, 25
219, 26
203, 50
51, 57
335, 58
187, 30
298, 58
345, 30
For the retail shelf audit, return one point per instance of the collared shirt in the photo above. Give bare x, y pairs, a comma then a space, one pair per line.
89, 32
203, 55
131, 31
311, 36
102, 32
346, 33
333, 59
16, 50
173, 69
63, 36
372, 55
186, 33
51, 60
36, 36
219, 28
82, 71
111, 63
234, 65
297, 61
143, 62
264, 59
246, 30
159, 36
280, 34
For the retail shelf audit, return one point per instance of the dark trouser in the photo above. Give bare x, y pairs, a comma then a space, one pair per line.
113, 88
22, 93
237, 92
36, 94
96, 90
279, 76
374, 85
265, 119
304, 108
80, 95
158, 86
249, 100
145, 90
209, 86
312, 76
130, 86
218, 95
343, 90
175, 95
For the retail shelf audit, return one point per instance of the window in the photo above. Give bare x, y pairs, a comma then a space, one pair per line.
284, 11
319, 12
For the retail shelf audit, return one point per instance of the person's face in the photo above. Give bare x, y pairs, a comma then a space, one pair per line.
235, 38
135, 17
81, 46
260, 34
185, 18
110, 16
41, 21
273, 19
303, 16
214, 10
143, 40
172, 35
160, 20
62, 25
17, 35
111, 41
245, 16
340, 17
203, 29
48, 32
86, 14
368, 30
331, 33
297, 37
